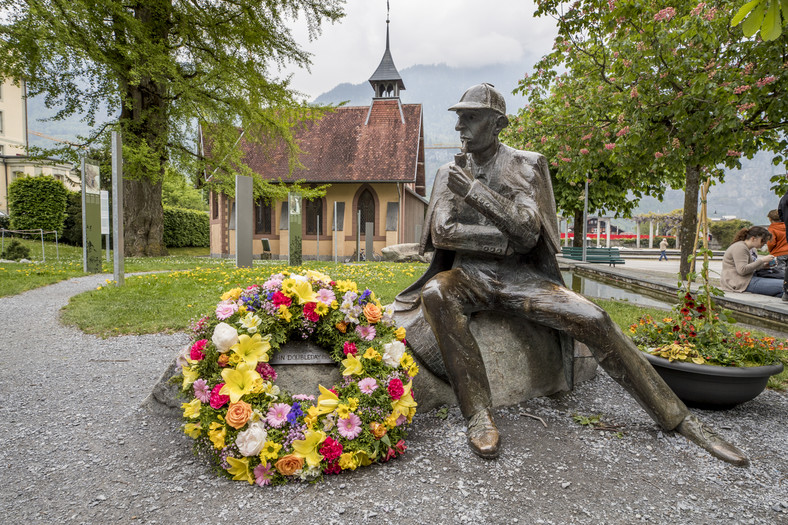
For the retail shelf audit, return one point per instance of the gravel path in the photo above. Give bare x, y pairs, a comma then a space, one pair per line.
76, 448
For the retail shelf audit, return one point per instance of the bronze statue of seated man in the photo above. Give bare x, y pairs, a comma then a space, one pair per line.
492, 223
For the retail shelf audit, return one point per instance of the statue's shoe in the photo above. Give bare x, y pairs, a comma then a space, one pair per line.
693, 429
483, 436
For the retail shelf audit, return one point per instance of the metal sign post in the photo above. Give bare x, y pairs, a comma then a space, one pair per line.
119, 274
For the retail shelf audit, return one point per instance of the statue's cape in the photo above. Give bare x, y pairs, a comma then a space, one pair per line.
407, 304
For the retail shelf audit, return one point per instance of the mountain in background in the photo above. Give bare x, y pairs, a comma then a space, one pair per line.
745, 192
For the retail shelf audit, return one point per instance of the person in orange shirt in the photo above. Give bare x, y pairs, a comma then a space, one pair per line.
778, 245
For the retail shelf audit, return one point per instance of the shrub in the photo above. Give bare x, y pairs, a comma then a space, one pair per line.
15, 251
72, 226
37, 202
185, 228
5, 222
725, 231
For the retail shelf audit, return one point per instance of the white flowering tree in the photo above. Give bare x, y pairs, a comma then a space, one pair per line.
651, 93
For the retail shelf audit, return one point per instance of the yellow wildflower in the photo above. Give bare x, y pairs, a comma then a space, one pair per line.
270, 451
404, 403
391, 421
406, 360
353, 402
217, 434
321, 309
317, 276
346, 286
287, 286
343, 410
413, 370
352, 366
284, 313
192, 408
192, 430
239, 468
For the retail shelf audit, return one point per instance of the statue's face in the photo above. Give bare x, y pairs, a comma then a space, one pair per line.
478, 128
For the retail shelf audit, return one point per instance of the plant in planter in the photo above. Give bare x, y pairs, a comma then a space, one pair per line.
698, 350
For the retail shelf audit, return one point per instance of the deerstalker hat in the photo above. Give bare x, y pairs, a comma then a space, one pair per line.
482, 96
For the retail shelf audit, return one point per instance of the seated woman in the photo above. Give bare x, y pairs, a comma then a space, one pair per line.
778, 244
738, 267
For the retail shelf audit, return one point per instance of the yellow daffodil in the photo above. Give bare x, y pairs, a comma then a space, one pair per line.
321, 309
233, 294
284, 313
343, 410
239, 468
304, 293
270, 451
372, 354
353, 402
327, 401
406, 360
404, 403
348, 461
252, 350
352, 366
192, 408
307, 448
400, 333
238, 381
190, 375
192, 430
217, 434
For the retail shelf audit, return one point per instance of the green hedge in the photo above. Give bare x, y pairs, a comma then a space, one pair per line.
184, 227
72, 227
725, 231
37, 202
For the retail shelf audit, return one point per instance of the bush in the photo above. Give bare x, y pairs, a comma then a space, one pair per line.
15, 251
725, 231
37, 202
185, 228
5, 222
72, 226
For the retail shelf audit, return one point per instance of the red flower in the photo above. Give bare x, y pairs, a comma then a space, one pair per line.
390, 453
685, 311
400, 446
196, 352
309, 312
331, 449
266, 371
693, 334
396, 389
701, 308
349, 348
676, 328
280, 299
218, 400
332, 468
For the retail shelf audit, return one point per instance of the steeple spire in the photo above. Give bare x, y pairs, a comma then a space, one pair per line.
386, 80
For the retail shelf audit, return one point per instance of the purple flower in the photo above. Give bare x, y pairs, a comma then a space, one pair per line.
366, 332
201, 390
326, 296
368, 385
349, 427
277, 414
295, 413
263, 474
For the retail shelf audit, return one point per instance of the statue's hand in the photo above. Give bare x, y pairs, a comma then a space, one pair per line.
459, 182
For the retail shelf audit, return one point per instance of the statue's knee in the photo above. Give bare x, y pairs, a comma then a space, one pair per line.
432, 296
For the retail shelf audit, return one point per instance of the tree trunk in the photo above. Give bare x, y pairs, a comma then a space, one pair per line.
579, 228
689, 220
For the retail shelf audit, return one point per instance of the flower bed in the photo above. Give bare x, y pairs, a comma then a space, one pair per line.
251, 429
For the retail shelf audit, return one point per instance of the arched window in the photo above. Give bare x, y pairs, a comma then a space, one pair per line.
366, 205
312, 211
262, 218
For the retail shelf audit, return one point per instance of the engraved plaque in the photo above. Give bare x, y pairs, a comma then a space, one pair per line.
301, 353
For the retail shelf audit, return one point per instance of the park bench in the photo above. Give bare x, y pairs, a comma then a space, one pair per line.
593, 255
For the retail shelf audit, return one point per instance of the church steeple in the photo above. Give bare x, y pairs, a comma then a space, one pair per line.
386, 80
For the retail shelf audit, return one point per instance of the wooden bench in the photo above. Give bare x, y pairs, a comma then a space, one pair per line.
612, 256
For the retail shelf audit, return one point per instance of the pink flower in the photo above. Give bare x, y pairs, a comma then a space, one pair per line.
367, 385
331, 449
584, 151
665, 14
266, 371
658, 154
766, 80
396, 389
734, 153
349, 427
349, 348
332, 468
274, 282
309, 312
697, 9
390, 453
263, 474
610, 146
225, 309
366, 332
326, 296
400, 446
218, 400
201, 391
277, 414
623, 131
303, 397
741, 89
280, 299
196, 352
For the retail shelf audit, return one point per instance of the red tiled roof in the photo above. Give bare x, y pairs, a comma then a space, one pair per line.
351, 144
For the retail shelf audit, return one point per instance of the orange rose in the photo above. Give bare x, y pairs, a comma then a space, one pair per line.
372, 313
224, 359
377, 429
238, 414
289, 464
342, 327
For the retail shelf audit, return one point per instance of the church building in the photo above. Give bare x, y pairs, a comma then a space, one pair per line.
372, 157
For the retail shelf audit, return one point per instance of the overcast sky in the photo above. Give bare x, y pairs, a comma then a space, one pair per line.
455, 32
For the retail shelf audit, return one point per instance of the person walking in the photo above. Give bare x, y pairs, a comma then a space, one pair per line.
663, 246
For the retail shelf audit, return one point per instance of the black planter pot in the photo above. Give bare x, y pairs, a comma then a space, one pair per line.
713, 387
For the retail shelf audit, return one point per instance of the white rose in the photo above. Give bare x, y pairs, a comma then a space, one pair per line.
250, 442
224, 336
392, 353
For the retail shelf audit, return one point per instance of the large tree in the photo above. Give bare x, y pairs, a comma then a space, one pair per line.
160, 68
665, 89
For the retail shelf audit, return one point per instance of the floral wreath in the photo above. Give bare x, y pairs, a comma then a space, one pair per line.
251, 429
